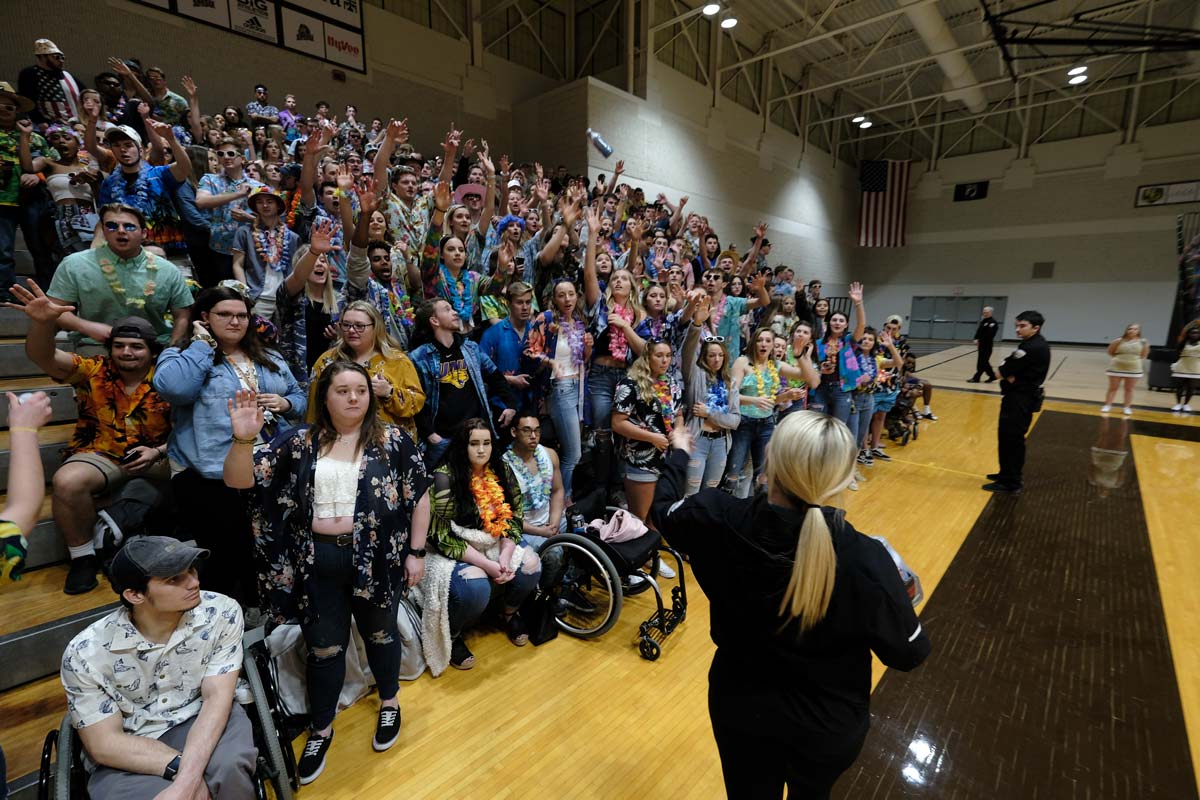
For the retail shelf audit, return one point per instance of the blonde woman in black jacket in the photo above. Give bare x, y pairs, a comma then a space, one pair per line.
799, 600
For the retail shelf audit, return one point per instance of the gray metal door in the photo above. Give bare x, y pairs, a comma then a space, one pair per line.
920, 324
970, 309
999, 304
945, 315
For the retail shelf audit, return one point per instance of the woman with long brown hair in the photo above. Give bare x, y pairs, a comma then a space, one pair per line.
798, 600
340, 522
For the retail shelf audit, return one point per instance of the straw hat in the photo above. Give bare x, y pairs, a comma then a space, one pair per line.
23, 103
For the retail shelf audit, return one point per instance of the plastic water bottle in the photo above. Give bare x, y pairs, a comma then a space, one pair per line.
598, 142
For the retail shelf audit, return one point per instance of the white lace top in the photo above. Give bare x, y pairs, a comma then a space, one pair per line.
335, 488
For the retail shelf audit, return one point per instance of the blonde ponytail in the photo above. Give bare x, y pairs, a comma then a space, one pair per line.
810, 458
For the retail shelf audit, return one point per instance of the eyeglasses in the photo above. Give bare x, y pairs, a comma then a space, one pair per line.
357, 327
227, 153
717, 339
226, 316
128, 227
529, 431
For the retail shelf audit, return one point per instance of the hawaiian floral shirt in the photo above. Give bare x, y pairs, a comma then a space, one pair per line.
392, 479
110, 420
149, 191
444, 508
111, 668
408, 226
648, 416
222, 224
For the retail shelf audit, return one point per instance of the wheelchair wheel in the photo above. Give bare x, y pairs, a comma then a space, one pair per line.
588, 597
64, 768
272, 764
649, 648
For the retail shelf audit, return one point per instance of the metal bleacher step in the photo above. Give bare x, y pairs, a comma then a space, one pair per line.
62, 397
13, 323
51, 440
46, 546
13, 361
37, 620
29, 712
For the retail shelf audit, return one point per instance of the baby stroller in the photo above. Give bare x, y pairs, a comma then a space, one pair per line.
902, 422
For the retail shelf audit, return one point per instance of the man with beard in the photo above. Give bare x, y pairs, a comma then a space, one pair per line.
148, 189
119, 279
121, 429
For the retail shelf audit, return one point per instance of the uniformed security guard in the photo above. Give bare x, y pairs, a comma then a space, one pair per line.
984, 335
1022, 373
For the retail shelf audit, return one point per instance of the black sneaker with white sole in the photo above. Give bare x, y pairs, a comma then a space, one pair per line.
387, 730
879, 455
312, 760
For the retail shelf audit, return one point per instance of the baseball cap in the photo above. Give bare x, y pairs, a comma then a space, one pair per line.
151, 557
896, 319
133, 328
123, 130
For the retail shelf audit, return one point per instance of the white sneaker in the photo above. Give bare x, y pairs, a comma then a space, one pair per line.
853, 486
1105, 409
664, 571
1188, 408
1177, 407
1128, 411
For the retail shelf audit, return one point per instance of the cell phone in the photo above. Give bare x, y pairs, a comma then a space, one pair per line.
129, 457
519, 261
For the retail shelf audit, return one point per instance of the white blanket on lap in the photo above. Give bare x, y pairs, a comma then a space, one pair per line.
434, 593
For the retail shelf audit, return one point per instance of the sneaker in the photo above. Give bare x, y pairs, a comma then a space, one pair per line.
82, 576
993, 476
635, 584
858, 476
1001, 488
460, 656
1188, 408
573, 600
862, 457
866, 459
1105, 409
312, 760
1128, 411
664, 571
1177, 407
972, 380
853, 486
518, 634
387, 730
928, 415
879, 455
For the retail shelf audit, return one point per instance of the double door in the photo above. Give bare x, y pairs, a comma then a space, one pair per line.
954, 317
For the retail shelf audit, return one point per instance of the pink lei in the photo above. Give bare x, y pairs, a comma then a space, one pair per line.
617, 344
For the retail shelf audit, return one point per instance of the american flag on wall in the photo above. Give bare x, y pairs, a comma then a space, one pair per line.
884, 203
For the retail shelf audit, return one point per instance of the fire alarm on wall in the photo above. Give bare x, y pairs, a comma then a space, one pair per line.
338, 75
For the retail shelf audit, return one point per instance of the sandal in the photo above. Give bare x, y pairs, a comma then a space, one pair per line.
460, 656
517, 633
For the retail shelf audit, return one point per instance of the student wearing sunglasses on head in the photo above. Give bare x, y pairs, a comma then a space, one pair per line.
119, 279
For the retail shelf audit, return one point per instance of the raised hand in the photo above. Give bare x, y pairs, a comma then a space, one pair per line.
468, 148
541, 173
321, 238
618, 169
592, 217
345, 178
368, 200
541, 190
571, 212
397, 131
34, 302
505, 164
245, 414
25, 127
760, 230
485, 159
856, 292
759, 283
885, 339
313, 144
506, 257
118, 66
189, 85
441, 196
450, 142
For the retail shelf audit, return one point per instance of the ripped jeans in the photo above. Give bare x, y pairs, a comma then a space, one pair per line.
471, 591
330, 586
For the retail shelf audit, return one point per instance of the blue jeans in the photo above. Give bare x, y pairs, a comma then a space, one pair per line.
602, 385
331, 586
830, 399
563, 399
707, 463
749, 441
434, 452
862, 409
469, 596
9, 217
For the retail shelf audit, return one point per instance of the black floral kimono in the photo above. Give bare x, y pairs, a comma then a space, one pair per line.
392, 479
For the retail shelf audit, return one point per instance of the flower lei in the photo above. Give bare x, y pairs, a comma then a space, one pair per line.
718, 397
460, 293
575, 340
662, 391
774, 385
293, 207
109, 270
535, 486
270, 245
618, 346
494, 512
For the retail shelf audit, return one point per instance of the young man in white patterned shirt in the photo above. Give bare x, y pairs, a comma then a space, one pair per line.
150, 687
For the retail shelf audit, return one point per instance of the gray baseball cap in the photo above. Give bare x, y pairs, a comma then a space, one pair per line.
151, 557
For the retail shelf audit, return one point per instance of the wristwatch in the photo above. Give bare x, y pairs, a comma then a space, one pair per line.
419, 552
172, 769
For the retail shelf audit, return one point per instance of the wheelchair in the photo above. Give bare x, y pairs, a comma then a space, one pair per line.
593, 577
275, 775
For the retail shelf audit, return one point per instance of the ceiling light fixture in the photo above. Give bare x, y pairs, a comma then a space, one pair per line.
729, 22
710, 9
858, 119
866, 123
1078, 79
1077, 70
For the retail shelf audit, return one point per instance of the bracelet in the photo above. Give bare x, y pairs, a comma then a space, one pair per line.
240, 440
23, 428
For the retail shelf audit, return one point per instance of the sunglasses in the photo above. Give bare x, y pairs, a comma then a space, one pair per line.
711, 339
128, 227
227, 153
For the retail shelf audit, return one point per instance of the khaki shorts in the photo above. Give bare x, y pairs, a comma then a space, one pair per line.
114, 476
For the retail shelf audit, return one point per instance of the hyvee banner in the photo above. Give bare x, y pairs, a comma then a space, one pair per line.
330, 30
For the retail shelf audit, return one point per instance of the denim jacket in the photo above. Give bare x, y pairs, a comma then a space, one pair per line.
199, 392
428, 362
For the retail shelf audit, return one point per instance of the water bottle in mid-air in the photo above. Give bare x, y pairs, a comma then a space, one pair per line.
598, 142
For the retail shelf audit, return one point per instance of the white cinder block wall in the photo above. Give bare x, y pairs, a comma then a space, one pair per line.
1114, 263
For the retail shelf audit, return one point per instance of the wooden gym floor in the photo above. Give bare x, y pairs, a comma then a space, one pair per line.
1059, 620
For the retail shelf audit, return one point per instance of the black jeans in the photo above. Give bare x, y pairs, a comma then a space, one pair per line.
215, 517
759, 760
330, 586
983, 359
1016, 414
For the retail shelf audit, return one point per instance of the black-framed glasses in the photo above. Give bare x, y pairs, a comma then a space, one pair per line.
530, 431
357, 327
128, 227
227, 316
710, 339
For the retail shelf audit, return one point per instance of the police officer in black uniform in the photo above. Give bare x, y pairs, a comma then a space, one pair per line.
984, 335
1022, 374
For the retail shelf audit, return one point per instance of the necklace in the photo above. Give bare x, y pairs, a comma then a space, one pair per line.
617, 344
245, 371
270, 244
662, 391
109, 270
494, 512
763, 386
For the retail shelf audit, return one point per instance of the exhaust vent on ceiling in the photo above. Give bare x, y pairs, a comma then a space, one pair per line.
1043, 270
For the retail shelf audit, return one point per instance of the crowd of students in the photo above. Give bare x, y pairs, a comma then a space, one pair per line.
299, 338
